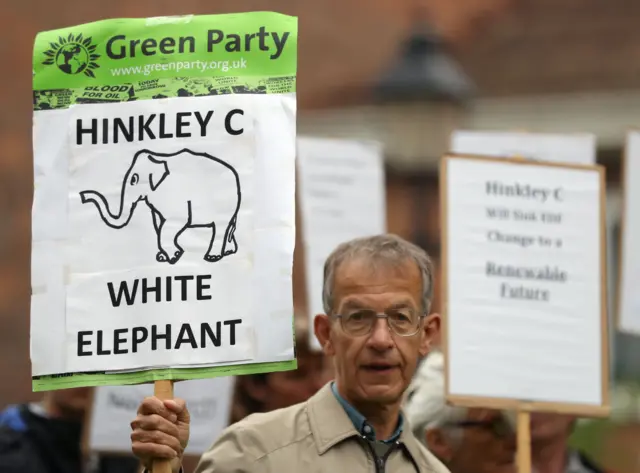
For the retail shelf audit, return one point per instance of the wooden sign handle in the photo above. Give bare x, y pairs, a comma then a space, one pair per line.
163, 390
524, 442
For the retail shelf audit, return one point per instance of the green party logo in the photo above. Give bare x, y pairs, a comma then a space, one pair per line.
73, 55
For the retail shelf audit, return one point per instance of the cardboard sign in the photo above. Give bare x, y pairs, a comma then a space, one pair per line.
629, 285
524, 284
552, 147
114, 407
342, 196
164, 206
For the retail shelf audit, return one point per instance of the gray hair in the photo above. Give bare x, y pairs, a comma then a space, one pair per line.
387, 248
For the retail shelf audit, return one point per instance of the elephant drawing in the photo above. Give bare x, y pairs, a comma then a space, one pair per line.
183, 190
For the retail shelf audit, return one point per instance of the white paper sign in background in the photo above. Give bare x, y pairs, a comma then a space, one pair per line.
264, 233
523, 282
114, 407
571, 149
342, 196
629, 315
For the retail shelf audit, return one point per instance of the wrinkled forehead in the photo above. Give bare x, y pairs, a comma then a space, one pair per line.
377, 283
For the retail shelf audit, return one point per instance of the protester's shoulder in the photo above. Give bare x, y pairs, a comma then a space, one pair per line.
590, 465
15, 451
430, 460
11, 417
280, 426
262, 433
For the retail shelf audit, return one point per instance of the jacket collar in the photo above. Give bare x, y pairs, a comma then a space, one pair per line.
330, 424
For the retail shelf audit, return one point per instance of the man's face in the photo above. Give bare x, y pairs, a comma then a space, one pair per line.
488, 444
550, 428
376, 367
68, 403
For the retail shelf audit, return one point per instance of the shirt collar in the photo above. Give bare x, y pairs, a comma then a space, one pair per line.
359, 421
330, 424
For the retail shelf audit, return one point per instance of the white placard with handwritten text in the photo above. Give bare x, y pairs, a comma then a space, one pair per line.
114, 407
524, 281
342, 196
577, 148
629, 306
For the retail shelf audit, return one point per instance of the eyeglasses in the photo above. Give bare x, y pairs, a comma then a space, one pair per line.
498, 426
404, 323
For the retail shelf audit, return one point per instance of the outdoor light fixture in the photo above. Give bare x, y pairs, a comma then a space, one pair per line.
425, 72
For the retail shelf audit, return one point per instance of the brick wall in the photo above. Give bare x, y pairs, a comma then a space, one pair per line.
558, 46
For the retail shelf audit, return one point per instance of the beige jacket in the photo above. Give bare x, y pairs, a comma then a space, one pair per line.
315, 436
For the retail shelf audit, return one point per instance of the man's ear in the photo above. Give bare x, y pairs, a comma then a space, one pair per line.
431, 334
439, 445
322, 329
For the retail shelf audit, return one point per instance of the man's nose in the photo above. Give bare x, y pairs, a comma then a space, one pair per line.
380, 337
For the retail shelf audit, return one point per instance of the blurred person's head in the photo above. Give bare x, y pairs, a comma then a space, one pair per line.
69, 404
375, 357
265, 392
548, 428
466, 440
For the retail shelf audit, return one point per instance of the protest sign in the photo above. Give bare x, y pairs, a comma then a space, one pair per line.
579, 148
524, 288
342, 196
114, 407
524, 285
164, 201
629, 295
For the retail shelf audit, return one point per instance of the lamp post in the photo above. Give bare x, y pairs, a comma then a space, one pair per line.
421, 97
420, 100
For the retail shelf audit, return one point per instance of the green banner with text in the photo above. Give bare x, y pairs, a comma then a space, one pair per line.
120, 60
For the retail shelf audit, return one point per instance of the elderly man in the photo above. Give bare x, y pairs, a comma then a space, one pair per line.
377, 294
466, 440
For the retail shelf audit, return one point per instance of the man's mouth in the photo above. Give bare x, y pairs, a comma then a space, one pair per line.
380, 367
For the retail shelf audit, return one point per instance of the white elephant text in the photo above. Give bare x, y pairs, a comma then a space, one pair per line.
161, 289
128, 340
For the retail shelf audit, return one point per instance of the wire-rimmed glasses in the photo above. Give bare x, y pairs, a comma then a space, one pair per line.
404, 323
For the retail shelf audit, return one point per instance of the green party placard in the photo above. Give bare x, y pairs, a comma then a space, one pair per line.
151, 136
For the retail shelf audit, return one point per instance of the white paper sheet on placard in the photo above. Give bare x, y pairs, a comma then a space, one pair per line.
342, 196
160, 236
47, 304
273, 220
523, 282
571, 149
114, 407
629, 315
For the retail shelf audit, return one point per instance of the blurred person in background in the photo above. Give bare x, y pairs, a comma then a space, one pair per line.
550, 451
46, 437
266, 392
377, 294
465, 440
